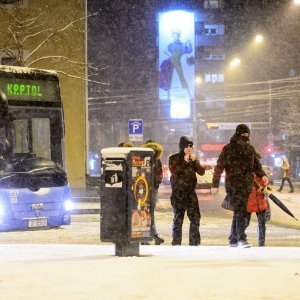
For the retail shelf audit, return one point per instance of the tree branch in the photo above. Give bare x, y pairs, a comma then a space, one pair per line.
57, 31
82, 78
35, 34
60, 57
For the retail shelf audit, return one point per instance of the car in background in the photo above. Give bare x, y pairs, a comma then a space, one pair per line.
269, 173
205, 181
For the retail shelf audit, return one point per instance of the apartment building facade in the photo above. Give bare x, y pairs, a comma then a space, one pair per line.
52, 36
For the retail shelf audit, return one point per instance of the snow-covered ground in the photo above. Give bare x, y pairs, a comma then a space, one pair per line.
58, 271
72, 262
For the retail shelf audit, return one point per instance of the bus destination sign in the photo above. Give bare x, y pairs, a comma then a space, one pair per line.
29, 90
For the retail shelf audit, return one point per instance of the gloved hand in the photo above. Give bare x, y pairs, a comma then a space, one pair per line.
214, 190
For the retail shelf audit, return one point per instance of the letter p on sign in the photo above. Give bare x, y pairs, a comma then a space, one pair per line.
135, 129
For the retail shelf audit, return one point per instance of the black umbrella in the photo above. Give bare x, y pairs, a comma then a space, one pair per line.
268, 192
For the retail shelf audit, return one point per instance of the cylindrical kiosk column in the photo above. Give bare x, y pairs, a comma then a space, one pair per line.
126, 198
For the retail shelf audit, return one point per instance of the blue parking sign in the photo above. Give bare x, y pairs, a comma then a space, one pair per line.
135, 129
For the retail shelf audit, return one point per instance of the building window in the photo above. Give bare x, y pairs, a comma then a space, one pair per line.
212, 4
214, 78
214, 29
207, 78
221, 78
11, 60
199, 27
214, 54
12, 3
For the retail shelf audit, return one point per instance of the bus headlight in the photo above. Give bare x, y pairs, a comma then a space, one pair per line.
68, 205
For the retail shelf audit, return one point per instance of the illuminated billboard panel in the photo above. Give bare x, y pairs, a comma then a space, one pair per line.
177, 60
180, 105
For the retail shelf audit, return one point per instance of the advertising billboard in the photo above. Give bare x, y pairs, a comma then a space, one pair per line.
176, 42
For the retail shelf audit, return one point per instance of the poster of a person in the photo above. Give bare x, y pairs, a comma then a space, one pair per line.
176, 54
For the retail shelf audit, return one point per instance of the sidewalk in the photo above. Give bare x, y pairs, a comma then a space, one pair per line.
81, 272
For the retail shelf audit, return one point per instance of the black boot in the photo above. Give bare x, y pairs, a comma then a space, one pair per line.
158, 240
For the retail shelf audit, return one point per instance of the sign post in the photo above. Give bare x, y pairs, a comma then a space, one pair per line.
135, 130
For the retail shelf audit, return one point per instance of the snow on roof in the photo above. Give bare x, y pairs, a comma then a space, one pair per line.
25, 70
121, 152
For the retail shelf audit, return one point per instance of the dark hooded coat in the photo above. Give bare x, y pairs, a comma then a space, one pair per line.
238, 159
183, 174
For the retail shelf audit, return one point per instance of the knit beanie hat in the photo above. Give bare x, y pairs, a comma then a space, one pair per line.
242, 128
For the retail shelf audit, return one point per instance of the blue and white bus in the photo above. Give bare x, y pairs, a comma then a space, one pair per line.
34, 190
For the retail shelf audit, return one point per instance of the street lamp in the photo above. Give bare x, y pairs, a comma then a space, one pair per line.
235, 62
259, 39
198, 80
297, 2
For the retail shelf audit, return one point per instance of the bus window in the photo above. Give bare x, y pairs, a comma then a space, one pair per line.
33, 136
3, 142
41, 143
21, 130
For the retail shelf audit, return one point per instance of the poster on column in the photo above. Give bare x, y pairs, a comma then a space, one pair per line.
177, 61
141, 214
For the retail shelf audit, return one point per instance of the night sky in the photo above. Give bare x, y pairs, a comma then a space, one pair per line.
122, 37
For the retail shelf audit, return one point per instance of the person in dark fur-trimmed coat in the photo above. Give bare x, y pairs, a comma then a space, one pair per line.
183, 167
157, 179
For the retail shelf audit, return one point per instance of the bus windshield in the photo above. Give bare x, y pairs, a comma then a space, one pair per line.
31, 112
39, 132
31, 127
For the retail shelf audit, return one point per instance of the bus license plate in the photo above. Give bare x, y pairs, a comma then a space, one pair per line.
37, 223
